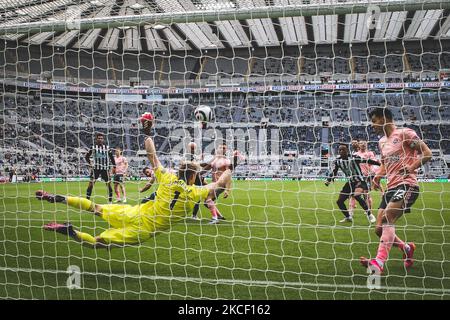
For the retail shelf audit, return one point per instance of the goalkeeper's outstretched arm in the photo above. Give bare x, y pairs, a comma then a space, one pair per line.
147, 121
151, 153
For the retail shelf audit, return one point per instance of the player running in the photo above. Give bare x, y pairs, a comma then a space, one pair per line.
356, 186
400, 149
135, 224
103, 159
120, 172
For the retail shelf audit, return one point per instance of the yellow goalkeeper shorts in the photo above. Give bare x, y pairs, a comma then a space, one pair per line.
126, 223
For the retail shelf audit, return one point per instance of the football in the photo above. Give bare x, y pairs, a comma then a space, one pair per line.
146, 117
147, 121
203, 114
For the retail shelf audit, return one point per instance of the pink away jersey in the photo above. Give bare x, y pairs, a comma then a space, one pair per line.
397, 152
121, 164
367, 169
218, 166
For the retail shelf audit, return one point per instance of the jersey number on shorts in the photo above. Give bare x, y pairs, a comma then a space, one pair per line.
399, 195
174, 200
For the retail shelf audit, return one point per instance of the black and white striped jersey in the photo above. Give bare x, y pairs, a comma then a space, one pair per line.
102, 155
350, 167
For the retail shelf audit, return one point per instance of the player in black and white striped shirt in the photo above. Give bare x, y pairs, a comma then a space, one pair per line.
356, 186
102, 162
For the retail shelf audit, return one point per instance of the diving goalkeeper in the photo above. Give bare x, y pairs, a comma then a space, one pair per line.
130, 225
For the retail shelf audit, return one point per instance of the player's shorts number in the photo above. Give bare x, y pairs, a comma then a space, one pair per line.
398, 195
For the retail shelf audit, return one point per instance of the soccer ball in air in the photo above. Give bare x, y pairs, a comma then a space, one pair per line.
203, 114
147, 120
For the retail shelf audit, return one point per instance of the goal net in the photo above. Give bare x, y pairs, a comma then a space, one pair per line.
287, 81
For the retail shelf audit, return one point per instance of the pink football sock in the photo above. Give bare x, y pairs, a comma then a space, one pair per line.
212, 208
386, 242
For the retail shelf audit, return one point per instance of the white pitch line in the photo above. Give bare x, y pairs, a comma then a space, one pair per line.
296, 285
231, 223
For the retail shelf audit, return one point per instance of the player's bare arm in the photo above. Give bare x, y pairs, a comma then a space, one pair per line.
234, 163
151, 153
372, 162
148, 185
147, 121
88, 158
236, 156
331, 176
206, 166
380, 174
425, 151
368, 161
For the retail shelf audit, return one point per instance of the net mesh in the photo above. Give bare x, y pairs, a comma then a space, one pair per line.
283, 91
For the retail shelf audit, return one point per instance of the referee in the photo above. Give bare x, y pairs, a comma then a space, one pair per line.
102, 161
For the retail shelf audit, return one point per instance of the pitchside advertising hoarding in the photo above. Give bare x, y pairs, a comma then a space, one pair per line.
133, 97
142, 94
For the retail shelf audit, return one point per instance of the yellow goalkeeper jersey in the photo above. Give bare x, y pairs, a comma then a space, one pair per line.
134, 224
174, 200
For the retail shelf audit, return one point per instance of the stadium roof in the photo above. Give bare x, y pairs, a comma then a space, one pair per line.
257, 32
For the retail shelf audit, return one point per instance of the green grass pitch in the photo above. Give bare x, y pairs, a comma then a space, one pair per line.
281, 240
